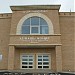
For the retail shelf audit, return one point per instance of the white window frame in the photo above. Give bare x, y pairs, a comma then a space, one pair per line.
35, 26
35, 60
41, 54
38, 30
28, 59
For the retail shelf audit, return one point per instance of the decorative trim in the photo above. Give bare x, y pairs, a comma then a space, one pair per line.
35, 44
35, 7
35, 34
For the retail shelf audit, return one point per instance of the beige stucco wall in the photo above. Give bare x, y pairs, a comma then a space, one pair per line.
18, 15
63, 25
5, 21
67, 40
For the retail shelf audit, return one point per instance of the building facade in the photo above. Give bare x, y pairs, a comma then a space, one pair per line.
37, 38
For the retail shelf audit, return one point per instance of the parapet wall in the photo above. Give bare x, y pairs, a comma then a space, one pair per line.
9, 15
6, 15
66, 13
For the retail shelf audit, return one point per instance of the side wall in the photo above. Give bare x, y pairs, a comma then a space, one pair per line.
67, 39
5, 20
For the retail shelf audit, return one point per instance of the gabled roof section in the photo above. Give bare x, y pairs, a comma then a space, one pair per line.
35, 7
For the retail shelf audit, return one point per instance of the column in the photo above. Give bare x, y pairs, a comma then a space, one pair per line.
58, 59
11, 57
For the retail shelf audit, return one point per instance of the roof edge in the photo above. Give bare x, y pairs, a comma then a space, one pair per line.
35, 7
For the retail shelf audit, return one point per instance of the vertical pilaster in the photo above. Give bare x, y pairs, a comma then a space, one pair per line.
58, 59
11, 58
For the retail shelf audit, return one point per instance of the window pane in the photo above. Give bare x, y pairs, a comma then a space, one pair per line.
24, 59
24, 66
44, 29
45, 66
34, 30
39, 56
45, 63
39, 63
30, 59
0, 57
35, 21
25, 29
45, 56
24, 63
39, 59
25, 56
26, 22
39, 66
30, 63
42, 22
30, 66
45, 59
30, 56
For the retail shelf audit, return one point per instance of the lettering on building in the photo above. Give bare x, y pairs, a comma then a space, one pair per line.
34, 39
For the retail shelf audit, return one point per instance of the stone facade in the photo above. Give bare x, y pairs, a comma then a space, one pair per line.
59, 43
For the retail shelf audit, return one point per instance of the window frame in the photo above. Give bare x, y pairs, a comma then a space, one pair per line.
33, 27
41, 54
35, 60
27, 61
39, 26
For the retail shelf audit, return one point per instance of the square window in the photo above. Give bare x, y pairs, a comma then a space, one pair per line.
34, 21
43, 29
34, 30
25, 30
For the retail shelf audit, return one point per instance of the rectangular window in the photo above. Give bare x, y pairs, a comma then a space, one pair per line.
27, 61
43, 29
25, 30
35, 30
0, 57
35, 21
43, 61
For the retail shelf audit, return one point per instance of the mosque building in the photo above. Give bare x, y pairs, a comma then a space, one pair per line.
37, 38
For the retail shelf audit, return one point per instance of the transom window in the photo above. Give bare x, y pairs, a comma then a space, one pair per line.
35, 25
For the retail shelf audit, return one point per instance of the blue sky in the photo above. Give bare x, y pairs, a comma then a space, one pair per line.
66, 5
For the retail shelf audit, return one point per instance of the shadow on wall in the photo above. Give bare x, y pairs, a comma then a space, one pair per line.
17, 73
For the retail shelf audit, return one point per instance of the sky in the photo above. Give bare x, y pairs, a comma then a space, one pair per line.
66, 5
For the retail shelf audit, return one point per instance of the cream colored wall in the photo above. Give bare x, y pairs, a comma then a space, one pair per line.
5, 21
51, 14
67, 40
16, 18
62, 24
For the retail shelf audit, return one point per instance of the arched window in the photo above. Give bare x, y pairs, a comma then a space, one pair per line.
35, 25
